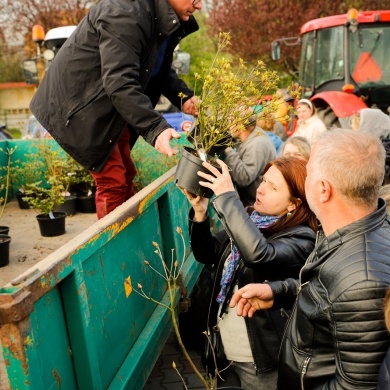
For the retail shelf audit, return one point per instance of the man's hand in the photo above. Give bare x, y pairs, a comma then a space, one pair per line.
162, 142
190, 106
252, 297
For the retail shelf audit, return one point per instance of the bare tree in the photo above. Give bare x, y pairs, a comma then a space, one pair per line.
10, 62
22, 15
254, 24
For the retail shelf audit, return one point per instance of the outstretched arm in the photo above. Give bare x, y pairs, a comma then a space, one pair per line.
162, 142
252, 297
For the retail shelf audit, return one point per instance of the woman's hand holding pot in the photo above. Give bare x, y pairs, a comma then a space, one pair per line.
219, 182
198, 203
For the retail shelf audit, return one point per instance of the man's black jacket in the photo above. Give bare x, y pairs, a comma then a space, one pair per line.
100, 79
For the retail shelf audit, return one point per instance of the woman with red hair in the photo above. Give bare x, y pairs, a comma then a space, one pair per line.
269, 241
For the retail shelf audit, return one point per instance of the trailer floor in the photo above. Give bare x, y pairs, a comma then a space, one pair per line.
28, 247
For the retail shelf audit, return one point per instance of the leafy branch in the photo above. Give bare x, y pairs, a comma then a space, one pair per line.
228, 97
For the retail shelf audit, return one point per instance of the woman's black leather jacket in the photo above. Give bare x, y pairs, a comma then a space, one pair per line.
276, 257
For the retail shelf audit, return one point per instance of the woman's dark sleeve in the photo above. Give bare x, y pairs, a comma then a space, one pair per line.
205, 246
289, 250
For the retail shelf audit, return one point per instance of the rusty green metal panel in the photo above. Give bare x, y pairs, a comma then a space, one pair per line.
68, 323
38, 347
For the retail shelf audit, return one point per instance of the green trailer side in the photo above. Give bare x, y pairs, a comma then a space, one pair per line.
66, 323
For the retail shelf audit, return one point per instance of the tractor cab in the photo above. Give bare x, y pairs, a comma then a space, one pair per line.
344, 63
348, 54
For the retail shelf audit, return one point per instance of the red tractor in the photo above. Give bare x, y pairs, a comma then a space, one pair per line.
344, 64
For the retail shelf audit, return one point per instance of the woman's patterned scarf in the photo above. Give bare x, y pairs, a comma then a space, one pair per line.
262, 222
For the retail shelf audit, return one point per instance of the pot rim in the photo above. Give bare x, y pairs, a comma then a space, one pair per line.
4, 238
210, 159
57, 215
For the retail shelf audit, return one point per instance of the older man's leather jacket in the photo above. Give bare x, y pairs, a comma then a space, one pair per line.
336, 336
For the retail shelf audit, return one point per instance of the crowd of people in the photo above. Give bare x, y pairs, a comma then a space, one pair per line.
313, 246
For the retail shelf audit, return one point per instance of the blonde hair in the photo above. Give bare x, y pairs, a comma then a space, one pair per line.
301, 143
265, 121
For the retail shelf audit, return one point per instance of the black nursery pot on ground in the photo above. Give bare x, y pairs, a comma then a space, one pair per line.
51, 227
4, 249
22, 203
69, 206
86, 204
186, 173
4, 230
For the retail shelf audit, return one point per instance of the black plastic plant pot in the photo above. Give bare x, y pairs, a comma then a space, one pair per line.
186, 173
230, 388
4, 249
69, 206
52, 227
22, 203
4, 230
86, 204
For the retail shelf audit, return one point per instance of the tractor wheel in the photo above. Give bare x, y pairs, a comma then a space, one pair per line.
328, 117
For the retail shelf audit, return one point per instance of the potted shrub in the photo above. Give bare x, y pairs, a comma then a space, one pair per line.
48, 193
23, 173
228, 99
83, 186
46, 200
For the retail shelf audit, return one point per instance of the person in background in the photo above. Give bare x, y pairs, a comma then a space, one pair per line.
373, 121
268, 241
310, 125
248, 160
384, 193
297, 147
281, 113
267, 123
280, 130
100, 91
275, 121
336, 336
34, 129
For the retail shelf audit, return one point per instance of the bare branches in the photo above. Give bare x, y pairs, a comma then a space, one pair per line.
254, 24
23, 14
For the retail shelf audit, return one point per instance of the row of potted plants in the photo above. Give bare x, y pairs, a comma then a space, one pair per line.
47, 180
